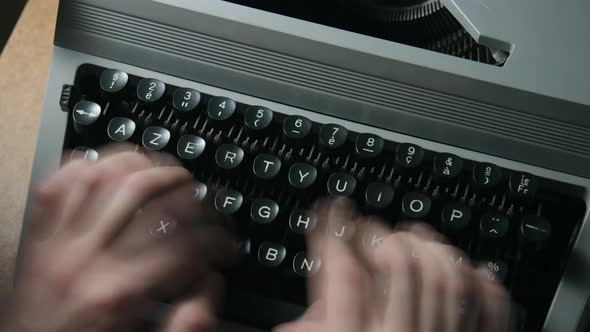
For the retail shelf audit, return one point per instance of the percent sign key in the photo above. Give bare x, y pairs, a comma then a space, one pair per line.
497, 270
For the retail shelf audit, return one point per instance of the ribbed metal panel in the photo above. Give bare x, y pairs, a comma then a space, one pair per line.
329, 79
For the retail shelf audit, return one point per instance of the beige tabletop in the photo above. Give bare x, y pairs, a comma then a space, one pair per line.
23, 75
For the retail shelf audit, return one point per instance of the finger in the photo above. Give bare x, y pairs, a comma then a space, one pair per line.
422, 230
198, 311
135, 191
495, 306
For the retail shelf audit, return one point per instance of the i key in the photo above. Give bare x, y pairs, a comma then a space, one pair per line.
378, 196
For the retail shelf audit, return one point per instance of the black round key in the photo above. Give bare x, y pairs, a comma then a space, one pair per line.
264, 211
493, 226
229, 156
190, 147
296, 127
486, 176
523, 185
200, 191
341, 184
302, 176
84, 152
258, 118
228, 201
447, 166
271, 254
416, 205
266, 166
301, 221
409, 156
497, 270
150, 90
220, 108
155, 138
120, 129
535, 230
368, 146
333, 136
86, 112
113, 80
186, 100
379, 195
455, 218
305, 266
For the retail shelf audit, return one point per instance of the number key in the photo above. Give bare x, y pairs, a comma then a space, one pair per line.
186, 100
150, 90
296, 127
368, 146
258, 118
221, 108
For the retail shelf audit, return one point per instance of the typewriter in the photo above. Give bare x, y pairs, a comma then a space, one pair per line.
471, 116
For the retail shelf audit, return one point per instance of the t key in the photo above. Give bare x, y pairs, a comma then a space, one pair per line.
266, 166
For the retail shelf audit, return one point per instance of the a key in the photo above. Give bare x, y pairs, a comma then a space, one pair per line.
368, 146
84, 114
416, 205
220, 109
455, 218
266, 166
302, 176
486, 176
228, 201
408, 156
264, 211
447, 166
305, 266
257, 118
302, 221
120, 129
341, 184
296, 128
155, 138
493, 226
271, 254
229, 156
332, 137
190, 147
523, 186
378, 196
113, 81
150, 90
535, 231
185, 100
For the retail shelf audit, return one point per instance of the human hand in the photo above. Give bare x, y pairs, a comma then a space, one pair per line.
406, 281
109, 239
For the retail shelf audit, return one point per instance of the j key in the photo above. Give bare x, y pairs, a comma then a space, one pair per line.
264, 211
378, 195
220, 109
301, 221
486, 176
83, 152
190, 147
266, 166
228, 201
186, 100
535, 231
257, 118
85, 113
408, 156
271, 254
332, 137
493, 226
447, 166
302, 176
341, 185
229, 156
455, 218
150, 90
305, 266
497, 270
523, 186
296, 127
113, 81
416, 205
120, 129
368, 146
155, 138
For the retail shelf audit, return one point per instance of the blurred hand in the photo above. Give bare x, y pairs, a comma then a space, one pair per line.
376, 280
109, 239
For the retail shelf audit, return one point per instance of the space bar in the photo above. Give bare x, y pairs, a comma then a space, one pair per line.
258, 311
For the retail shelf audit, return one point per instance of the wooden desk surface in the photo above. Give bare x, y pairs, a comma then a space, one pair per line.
24, 67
